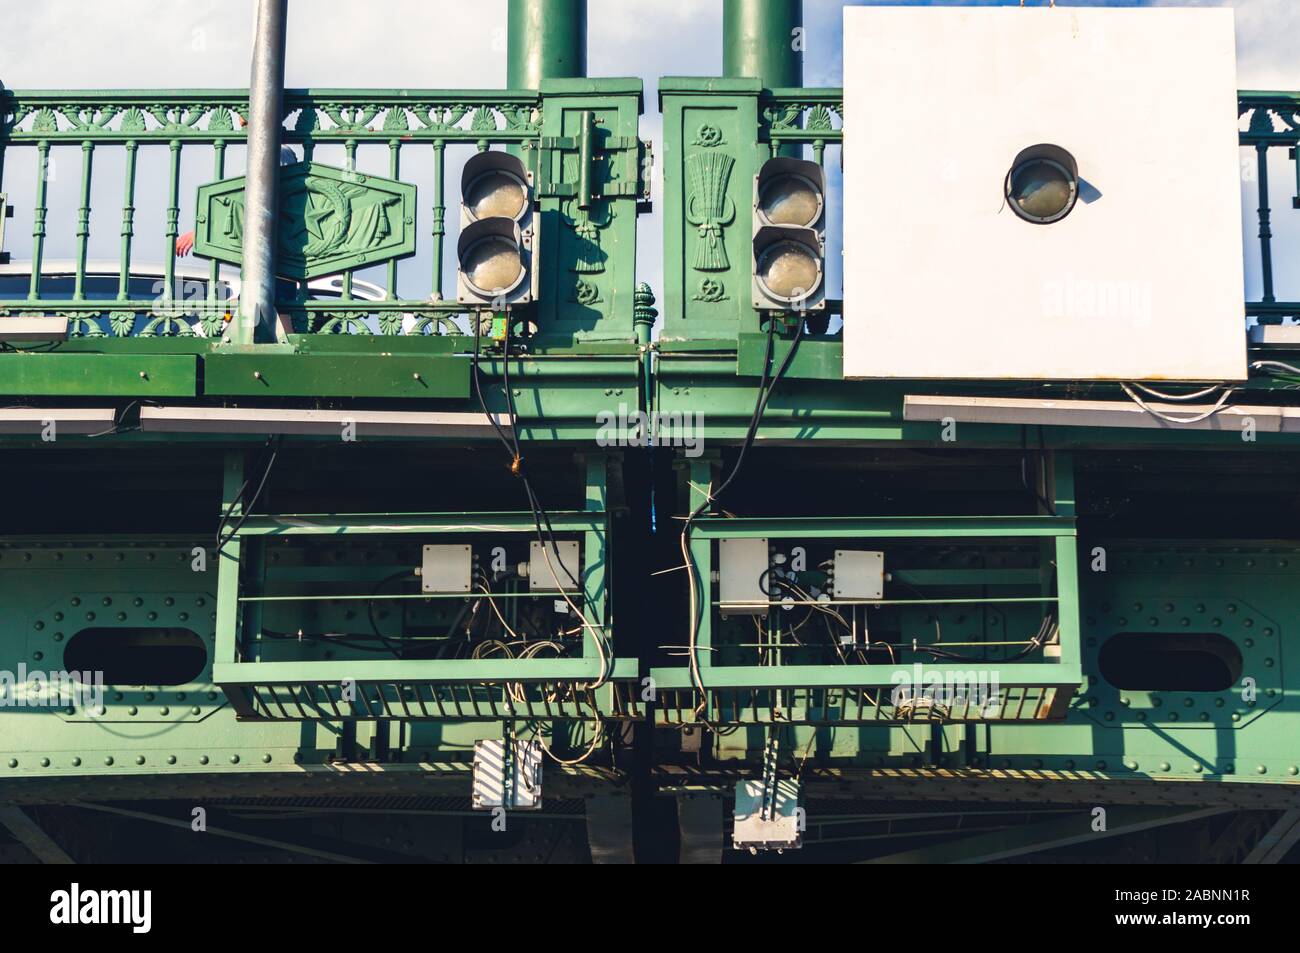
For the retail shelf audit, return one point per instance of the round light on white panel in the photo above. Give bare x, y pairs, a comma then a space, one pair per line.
1043, 184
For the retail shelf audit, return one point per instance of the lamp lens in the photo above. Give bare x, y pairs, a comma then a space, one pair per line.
493, 265
1042, 190
789, 270
790, 200
496, 193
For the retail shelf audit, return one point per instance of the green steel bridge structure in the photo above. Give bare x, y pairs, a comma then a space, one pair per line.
231, 521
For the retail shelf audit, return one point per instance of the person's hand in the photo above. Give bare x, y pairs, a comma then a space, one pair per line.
184, 244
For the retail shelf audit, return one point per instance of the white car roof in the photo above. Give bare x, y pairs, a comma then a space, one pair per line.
192, 271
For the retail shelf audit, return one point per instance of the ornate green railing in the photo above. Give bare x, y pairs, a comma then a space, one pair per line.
703, 119
446, 125
1272, 121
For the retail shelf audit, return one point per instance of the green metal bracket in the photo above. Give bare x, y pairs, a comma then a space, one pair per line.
78, 375
412, 688
816, 359
341, 375
588, 185
1031, 690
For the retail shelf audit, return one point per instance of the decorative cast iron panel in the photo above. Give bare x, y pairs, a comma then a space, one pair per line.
330, 220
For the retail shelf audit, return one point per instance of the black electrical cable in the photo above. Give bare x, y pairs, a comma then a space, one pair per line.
370, 612
225, 517
1024, 469
765, 388
541, 519
540, 516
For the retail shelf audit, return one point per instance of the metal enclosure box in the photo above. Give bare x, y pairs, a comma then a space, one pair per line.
780, 831
859, 574
741, 566
1143, 279
546, 573
446, 568
515, 783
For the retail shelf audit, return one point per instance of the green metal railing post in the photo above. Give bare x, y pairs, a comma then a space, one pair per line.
547, 39
439, 215
214, 267
38, 216
1265, 223
173, 222
83, 220
762, 39
128, 223
350, 149
394, 172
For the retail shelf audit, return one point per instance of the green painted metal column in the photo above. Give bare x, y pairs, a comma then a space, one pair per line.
547, 39
763, 39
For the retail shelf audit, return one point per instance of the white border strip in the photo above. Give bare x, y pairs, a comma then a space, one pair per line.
1095, 413
370, 423
66, 420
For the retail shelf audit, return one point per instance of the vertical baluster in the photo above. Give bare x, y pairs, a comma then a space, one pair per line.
38, 217
819, 152
128, 223
394, 167
351, 147
83, 220
173, 219
214, 267
308, 143
1294, 154
1265, 228
439, 212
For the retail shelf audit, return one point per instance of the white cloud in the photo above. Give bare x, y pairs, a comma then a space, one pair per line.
205, 43
1266, 34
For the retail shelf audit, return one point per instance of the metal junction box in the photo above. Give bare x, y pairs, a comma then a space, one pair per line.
742, 565
546, 573
859, 574
775, 826
446, 568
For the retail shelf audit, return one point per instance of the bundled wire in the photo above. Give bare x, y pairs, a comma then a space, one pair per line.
1168, 418
1046, 632
273, 445
766, 387
541, 519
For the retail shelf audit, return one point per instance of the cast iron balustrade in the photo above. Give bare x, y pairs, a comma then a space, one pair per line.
151, 292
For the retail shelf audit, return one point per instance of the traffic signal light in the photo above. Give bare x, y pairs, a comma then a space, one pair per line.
496, 251
789, 247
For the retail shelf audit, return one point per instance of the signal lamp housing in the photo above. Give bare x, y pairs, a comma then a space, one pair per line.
496, 259
789, 236
1043, 184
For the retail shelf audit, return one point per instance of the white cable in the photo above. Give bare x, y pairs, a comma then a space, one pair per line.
1178, 420
1286, 367
1158, 395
